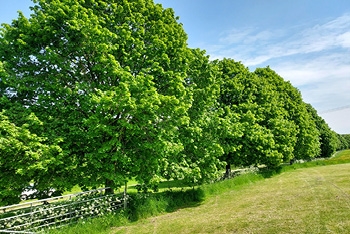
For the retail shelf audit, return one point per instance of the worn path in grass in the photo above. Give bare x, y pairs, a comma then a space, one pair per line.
310, 200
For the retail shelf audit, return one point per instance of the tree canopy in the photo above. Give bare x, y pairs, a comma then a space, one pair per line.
97, 92
24, 157
269, 119
107, 78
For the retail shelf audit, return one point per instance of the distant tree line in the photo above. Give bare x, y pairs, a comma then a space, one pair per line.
97, 92
343, 141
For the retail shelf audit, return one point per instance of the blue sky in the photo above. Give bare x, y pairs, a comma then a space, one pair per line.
305, 41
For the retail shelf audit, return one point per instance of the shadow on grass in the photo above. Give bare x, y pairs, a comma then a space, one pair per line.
270, 172
172, 184
143, 205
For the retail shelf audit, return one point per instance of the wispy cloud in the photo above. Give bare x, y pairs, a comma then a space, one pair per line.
253, 46
314, 58
246, 36
318, 67
344, 40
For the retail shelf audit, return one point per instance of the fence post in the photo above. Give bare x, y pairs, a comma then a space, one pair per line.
125, 194
70, 210
31, 213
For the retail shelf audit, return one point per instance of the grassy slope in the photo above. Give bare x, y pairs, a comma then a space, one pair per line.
299, 200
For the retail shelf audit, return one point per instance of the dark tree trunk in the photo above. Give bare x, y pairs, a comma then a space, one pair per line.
110, 186
228, 171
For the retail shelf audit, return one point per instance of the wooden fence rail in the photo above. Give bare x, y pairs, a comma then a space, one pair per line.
38, 216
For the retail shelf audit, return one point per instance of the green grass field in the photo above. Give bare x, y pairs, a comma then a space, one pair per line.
304, 200
312, 197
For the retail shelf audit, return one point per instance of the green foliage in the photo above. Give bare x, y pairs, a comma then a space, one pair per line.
328, 138
106, 78
343, 141
306, 143
199, 161
347, 138
23, 157
257, 128
110, 91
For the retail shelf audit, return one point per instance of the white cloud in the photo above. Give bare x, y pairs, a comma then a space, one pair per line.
235, 36
246, 36
323, 81
344, 40
338, 120
320, 67
254, 47
315, 59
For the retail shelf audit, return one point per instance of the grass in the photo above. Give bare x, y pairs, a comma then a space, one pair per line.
97, 225
339, 158
312, 197
310, 200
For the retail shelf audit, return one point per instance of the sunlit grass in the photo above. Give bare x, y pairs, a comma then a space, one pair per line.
307, 200
311, 197
75, 189
341, 156
91, 226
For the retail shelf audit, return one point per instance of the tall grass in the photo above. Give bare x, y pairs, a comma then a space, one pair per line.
228, 185
143, 205
93, 226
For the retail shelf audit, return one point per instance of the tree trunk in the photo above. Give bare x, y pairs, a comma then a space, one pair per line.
228, 171
110, 187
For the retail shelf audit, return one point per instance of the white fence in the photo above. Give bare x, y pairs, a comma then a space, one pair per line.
40, 215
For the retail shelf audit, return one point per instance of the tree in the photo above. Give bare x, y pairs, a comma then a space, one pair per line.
307, 143
199, 161
343, 141
328, 138
266, 121
255, 128
347, 140
106, 77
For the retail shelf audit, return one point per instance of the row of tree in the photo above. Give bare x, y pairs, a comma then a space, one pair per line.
96, 92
